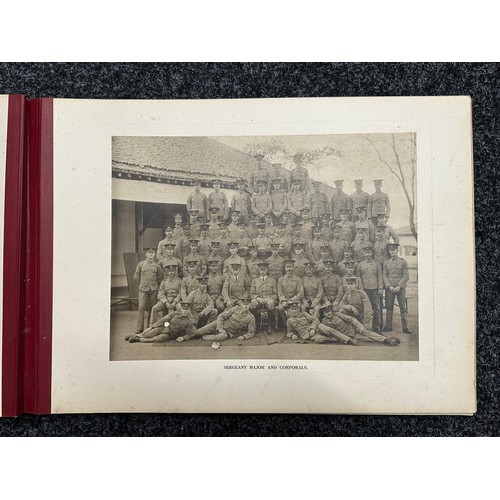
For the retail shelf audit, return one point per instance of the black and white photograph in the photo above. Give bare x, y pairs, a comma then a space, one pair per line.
265, 247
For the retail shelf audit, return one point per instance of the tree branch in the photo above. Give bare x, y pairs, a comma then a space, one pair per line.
383, 161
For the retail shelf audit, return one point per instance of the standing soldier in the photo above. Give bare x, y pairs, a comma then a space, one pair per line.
213, 224
195, 224
252, 226
337, 246
314, 246
318, 202
275, 262
241, 201
326, 229
283, 241
232, 228
215, 283
224, 240
260, 174
300, 258
264, 292
348, 256
313, 291
389, 232
160, 253
365, 223
378, 202
340, 201
347, 227
170, 259
380, 252
244, 241
178, 232
261, 201
234, 258
218, 198
278, 199
169, 294
149, 274
198, 201
332, 286
237, 321
253, 262
359, 244
307, 225
296, 198
262, 242
351, 268
202, 305
290, 289
189, 282
235, 286
205, 244
370, 273
323, 257
201, 267
396, 277
278, 172
359, 198
300, 173
215, 254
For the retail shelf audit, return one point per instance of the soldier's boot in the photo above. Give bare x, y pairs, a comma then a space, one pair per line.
388, 321
404, 324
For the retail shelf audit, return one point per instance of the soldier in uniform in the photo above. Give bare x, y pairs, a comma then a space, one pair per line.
345, 324
261, 201
332, 286
170, 259
260, 174
300, 258
237, 321
224, 240
389, 232
296, 198
370, 273
351, 268
194, 218
160, 253
340, 201
302, 325
241, 201
252, 226
205, 244
169, 294
218, 198
278, 199
232, 228
326, 230
283, 175
270, 230
264, 293
213, 224
323, 257
275, 262
300, 173
396, 276
235, 286
149, 274
215, 254
283, 241
380, 252
198, 201
359, 198
178, 232
189, 283
359, 243
214, 283
337, 246
262, 242
194, 255
378, 202
287, 220
318, 202
244, 241
177, 325
307, 225
183, 246
356, 303
365, 223
202, 306
314, 246
346, 226
253, 262
313, 290
234, 258
348, 256
290, 289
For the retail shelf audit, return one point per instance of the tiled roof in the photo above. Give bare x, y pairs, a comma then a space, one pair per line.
179, 159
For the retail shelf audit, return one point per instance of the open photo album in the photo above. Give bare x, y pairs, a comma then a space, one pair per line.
292, 255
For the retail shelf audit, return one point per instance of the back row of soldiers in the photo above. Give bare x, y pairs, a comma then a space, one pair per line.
288, 254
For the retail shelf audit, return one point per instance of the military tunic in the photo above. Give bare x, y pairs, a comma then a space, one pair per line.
359, 300
380, 253
279, 202
219, 199
359, 199
171, 261
201, 266
252, 231
301, 325
290, 289
396, 272
340, 200
214, 230
198, 201
359, 283
276, 265
326, 231
259, 174
262, 204
347, 231
217, 256
262, 242
313, 248
302, 174
160, 253
357, 245
337, 247
224, 248
180, 326
234, 288
253, 267
263, 291
189, 284
299, 265
234, 321
370, 228
205, 247
370, 273
214, 289
313, 291
319, 204
342, 268
285, 244
242, 202
378, 203
178, 232
233, 231
235, 259
332, 288
296, 202
201, 305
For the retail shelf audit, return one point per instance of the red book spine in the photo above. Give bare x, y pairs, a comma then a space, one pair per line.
14, 259
39, 245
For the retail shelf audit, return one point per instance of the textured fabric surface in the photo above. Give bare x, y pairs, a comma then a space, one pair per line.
182, 81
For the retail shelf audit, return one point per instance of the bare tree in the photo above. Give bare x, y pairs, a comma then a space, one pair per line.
390, 156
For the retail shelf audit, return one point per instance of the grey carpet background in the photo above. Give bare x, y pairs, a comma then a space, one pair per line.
203, 81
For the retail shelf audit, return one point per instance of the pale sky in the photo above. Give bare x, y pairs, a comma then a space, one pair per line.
358, 160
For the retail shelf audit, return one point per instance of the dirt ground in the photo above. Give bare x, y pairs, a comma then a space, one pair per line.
262, 346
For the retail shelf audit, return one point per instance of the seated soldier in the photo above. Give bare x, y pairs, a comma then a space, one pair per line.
189, 283
177, 325
215, 283
339, 323
236, 321
276, 262
169, 294
202, 305
313, 290
346, 226
301, 324
235, 286
290, 289
253, 262
356, 303
327, 330
264, 292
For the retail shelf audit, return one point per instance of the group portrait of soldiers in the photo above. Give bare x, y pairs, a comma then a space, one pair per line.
279, 256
